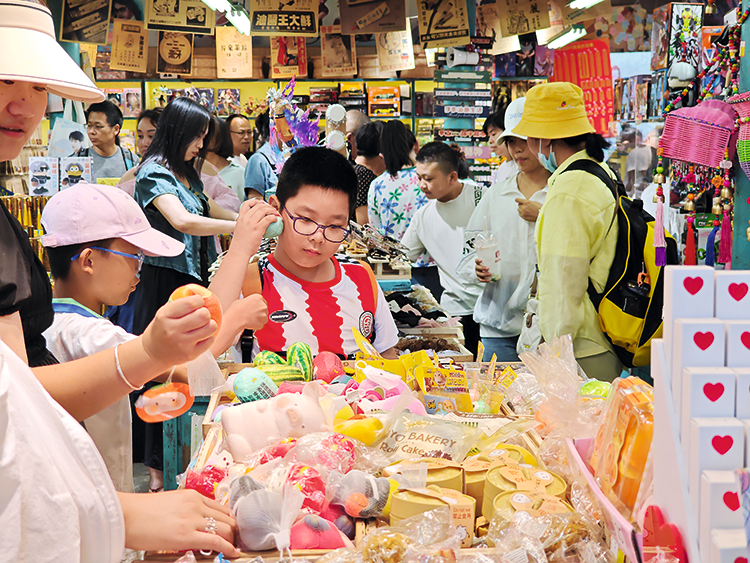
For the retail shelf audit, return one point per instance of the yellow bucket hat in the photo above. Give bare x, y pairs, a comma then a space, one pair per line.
554, 111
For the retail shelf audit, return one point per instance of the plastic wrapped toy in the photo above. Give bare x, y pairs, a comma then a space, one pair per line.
205, 482
252, 426
314, 532
310, 483
327, 366
361, 495
330, 450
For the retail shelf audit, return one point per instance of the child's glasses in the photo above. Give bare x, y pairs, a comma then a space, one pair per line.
138, 256
308, 227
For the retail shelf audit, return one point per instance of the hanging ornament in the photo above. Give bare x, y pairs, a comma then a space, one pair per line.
710, 7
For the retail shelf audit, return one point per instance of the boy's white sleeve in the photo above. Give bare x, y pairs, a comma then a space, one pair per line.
386, 333
411, 238
74, 336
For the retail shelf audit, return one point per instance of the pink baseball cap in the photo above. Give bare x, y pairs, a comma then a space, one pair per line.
90, 212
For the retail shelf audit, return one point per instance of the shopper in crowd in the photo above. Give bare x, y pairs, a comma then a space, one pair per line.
438, 228
355, 120
329, 293
576, 231
108, 158
493, 127
368, 147
57, 502
145, 131
214, 185
260, 173
509, 210
242, 137
395, 196
218, 156
88, 229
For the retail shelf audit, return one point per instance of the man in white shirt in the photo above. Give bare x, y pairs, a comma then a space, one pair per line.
242, 137
438, 228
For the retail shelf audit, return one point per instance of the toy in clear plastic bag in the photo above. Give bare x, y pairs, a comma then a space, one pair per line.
205, 481
361, 495
189, 557
311, 484
414, 436
327, 450
385, 545
264, 518
435, 538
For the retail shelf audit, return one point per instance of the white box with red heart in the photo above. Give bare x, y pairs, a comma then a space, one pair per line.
738, 344
732, 294
720, 507
697, 343
716, 444
742, 395
688, 294
728, 546
706, 392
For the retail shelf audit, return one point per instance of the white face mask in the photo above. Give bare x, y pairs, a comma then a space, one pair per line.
549, 162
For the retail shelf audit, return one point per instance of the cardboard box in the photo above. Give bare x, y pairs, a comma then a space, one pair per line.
688, 294
706, 392
732, 297
742, 396
728, 546
738, 344
720, 506
697, 343
716, 444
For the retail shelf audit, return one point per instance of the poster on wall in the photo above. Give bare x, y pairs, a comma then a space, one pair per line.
188, 16
288, 57
442, 23
522, 16
85, 21
339, 52
395, 50
488, 25
234, 53
228, 101
129, 46
128, 10
127, 99
587, 64
175, 53
280, 17
373, 17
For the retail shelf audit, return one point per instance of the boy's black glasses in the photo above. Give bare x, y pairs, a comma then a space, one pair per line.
138, 256
308, 227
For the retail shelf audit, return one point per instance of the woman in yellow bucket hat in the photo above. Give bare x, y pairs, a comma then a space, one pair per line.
576, 233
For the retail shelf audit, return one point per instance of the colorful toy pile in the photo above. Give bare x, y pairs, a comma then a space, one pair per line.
313, 458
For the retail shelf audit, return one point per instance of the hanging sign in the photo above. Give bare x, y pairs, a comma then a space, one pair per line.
460, 135
473, 110
488, 23
293, 17
339, 52
395, 51
188, 16
461, 94
587, 64
447, 75
288, 57
85, 21
374, 17
129, 46
442, 24
518, 17
234, 53
175, 53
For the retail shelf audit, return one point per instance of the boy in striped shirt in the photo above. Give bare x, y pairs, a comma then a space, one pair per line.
313, 294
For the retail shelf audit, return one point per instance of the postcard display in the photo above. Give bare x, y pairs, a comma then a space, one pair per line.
701, 410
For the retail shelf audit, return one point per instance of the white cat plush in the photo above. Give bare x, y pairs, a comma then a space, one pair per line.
250, 427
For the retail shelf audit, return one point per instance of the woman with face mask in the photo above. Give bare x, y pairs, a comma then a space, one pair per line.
576, 232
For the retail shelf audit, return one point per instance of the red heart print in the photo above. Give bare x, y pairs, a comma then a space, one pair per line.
741, 560
745, 338
713, 391
661, 536
732, 500
738, 291
722, 444
703, 339
693, 285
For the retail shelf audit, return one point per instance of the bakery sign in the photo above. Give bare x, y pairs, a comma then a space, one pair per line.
460, 135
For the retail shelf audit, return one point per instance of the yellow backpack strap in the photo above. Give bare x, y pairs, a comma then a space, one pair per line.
373, 281
253, 283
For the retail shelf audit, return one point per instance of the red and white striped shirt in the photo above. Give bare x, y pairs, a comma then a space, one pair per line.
323, 314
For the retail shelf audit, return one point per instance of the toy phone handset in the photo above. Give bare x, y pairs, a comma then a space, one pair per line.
274, 229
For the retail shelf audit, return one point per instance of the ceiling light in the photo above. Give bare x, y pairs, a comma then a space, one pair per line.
240, 19
583, 4
569, 35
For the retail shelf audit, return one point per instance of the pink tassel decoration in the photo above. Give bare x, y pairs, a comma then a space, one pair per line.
725, 245
660, 242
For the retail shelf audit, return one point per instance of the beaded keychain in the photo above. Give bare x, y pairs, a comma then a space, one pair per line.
724, 57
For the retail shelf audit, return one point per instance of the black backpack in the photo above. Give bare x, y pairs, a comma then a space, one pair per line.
630, 307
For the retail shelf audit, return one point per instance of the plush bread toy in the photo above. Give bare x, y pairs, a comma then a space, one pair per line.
250, 427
